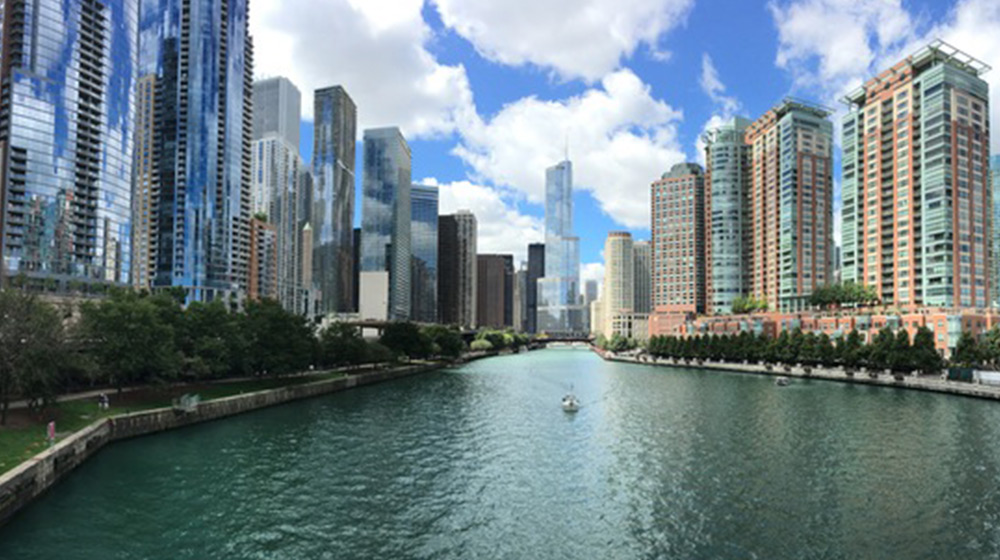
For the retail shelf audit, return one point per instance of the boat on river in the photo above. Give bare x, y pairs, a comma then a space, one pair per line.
781, 381
570, 403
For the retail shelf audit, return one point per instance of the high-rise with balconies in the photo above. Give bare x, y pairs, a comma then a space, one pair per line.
916, 192
67, 111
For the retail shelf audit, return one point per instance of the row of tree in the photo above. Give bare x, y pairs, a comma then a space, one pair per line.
617, 343
748, 304
887, 350
493, 339
847, 293
138, 338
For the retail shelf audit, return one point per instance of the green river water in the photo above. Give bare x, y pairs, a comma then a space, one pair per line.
481, 462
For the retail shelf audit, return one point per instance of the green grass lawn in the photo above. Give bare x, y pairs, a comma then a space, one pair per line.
25, 436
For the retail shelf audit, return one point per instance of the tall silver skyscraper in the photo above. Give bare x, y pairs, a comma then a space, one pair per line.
385, 220
201, 56
559, 307
642, 276
727, 159
66, 135
277, 110
424, 246
334, 140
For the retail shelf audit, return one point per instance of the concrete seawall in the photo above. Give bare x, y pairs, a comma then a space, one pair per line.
18, 487
931, 384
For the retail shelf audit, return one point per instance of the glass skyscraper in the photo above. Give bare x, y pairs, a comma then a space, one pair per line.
385, 221
424, 245
727, 157
201, 57
66, 136
334, 140
559, 307
277, 110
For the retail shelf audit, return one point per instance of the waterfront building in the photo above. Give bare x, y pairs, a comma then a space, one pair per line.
915, 187
619, 275
356, 253
791, 202
385, 219
277, 110
424, 245
457, 269
201, 56
642, 258
263, 278
995, 230
520, 298
559, 308
144, 222
727, 241
495, 291
678, 245
536, 270
597, 317
334, 141
590, 290
307, 296
66, 157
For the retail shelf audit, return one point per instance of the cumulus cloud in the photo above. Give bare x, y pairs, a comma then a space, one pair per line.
872, 36
502, 227
620, 139
592, 271
725, 106
374, 48
575, 38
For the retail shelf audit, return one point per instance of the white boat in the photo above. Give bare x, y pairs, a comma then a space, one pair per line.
570, 403
781, 381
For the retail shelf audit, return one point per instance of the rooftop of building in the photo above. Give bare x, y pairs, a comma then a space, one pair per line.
683, 170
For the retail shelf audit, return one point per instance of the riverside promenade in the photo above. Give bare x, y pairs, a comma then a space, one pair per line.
25, 482
884, 379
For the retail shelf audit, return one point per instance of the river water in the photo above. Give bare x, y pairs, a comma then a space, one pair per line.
481, 462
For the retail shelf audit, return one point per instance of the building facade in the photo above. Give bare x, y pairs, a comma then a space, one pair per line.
727, 182
559, 304
457, 269
202, 59
424, 245
642, 258
619, 275
277, 110
536, 270
65, 158
263, 278
385, 222
916, 193
495, 291
334, 141
995, 231
791, 203
144, 184
679, 240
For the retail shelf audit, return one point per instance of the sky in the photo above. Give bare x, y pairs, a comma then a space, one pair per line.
489, 93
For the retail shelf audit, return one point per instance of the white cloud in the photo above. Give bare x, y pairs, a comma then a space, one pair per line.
374, 48
872, 36
726, 106
576, 38
620, 140
592, 271
501, 227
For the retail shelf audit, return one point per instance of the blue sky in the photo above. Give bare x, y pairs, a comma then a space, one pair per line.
488, 92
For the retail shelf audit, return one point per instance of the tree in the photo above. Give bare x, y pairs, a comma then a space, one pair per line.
825, 353
32, 349
448, 340
279, 342
342, 345
850, 352
406, 339
925, 355
967, 352
880, 350
808, 350
901, 357
210, 340
481, 345
129, 340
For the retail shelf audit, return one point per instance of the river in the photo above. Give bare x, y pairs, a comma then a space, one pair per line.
481, 462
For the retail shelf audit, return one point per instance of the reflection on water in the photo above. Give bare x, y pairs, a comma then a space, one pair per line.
481, 462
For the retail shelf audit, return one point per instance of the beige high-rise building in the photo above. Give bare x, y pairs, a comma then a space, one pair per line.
619, 274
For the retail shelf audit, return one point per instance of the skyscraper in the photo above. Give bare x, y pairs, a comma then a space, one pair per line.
791, 202
995, 225
67, 111
727, 182
915, 187
495, 291
334, 140
679, 248
385, 222
263, 280
424, 245
559, 308
277, 110
642, 276
144, 185
619, 275
201, 57
457, 269
536, 270
278, 181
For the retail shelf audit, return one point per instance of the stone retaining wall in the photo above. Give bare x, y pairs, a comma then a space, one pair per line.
31, 478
